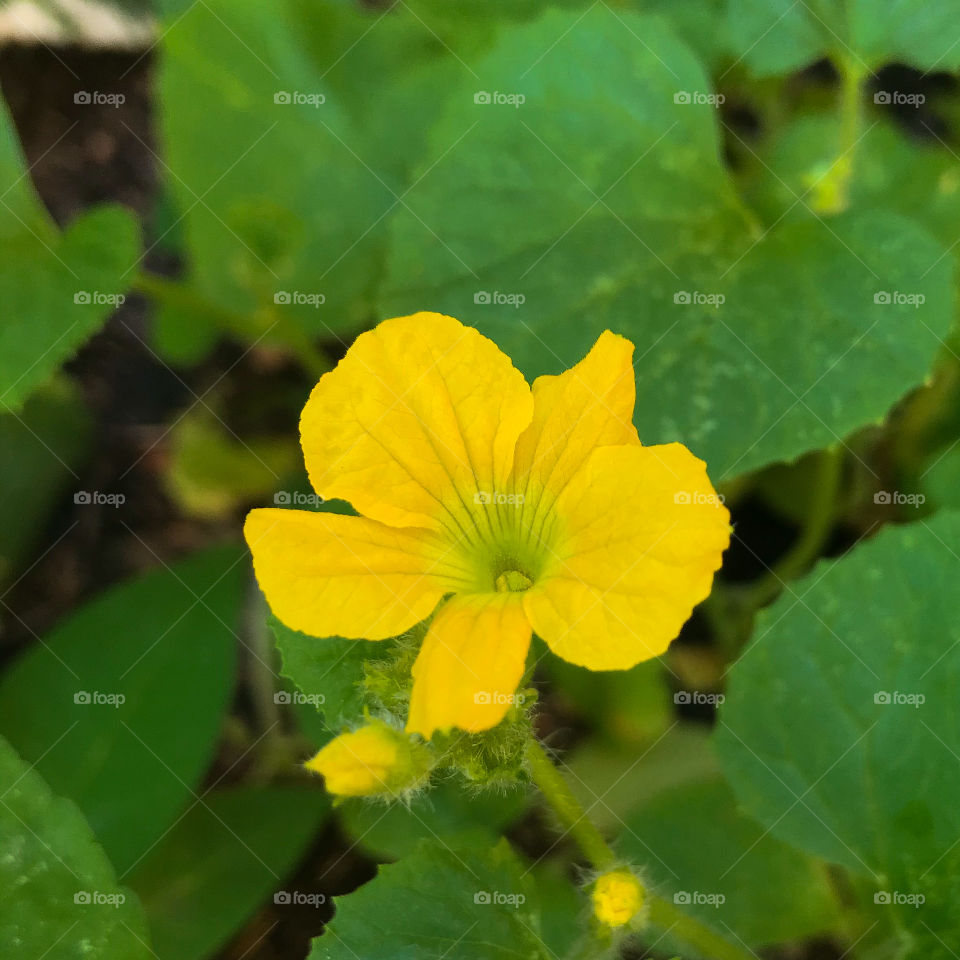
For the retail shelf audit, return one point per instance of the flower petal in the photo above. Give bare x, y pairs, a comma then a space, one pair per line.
420, 415
332, 575
638, 535
470, 664
588, 406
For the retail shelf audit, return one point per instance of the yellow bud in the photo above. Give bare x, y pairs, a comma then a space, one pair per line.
617, 898
376, 759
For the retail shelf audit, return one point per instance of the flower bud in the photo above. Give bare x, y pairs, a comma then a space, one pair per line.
375, 760
618, 897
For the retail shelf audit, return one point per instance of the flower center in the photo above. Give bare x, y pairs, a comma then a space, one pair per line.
512, 581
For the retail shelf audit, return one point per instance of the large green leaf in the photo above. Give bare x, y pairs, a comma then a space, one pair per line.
777, 36
163, 643
319, 109
840, 731
605, 204
213, 869
726, 868
328, 671
56, 289
465, 903
59, 897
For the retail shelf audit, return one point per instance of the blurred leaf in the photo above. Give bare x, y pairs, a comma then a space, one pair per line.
164, 643
692, 840
612, 210
941, 479
628, 706
212, 472
292, 242
701, 24
813, 749
39, 449
59, 896
439, 899
447, 812
218, 864
57, 289
328, 669
779, 36
563, 911
915, 178
609, 780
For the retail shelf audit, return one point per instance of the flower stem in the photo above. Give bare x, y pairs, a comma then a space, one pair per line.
817, 528
852, 74
572, 816
574, 819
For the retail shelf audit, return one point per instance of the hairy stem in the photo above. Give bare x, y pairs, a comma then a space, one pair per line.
573, 818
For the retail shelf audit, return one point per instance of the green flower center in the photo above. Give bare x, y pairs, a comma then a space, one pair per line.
507, 544
512, 581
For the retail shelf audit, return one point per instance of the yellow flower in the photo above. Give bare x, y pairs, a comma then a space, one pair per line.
528, 510
617, 898
376, 759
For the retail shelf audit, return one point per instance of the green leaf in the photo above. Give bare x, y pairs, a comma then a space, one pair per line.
777, 36
613, 209
814, 750
327, 671
39, 449
697, 848
163, 643
263, 235
701, 24
446, 812
212, 471
466, 903
59, 896
210, 873
57, 289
